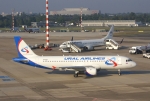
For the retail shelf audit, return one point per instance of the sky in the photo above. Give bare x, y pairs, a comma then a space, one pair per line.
105, 6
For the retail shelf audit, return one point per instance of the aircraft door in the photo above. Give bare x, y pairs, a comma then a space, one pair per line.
68, 44
119, 61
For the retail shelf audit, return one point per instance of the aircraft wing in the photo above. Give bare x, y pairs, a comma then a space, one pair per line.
76, 68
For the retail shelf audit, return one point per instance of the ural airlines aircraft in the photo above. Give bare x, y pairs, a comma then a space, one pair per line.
88, 64
89, 44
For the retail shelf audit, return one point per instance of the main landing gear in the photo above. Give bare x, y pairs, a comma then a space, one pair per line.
76, 74
119, 72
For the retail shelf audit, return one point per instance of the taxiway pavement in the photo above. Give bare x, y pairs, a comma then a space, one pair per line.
24, 83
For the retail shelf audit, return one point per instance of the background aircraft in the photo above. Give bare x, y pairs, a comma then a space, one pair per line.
89, 44
34, 30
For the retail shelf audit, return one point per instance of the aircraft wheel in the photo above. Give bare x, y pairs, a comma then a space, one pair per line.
85, 49
76, 75
119, 72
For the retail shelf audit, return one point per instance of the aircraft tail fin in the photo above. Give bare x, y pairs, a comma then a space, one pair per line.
110, 33
22, 48
121, 41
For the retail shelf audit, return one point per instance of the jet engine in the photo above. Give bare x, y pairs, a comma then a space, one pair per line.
88, 48
23, 60
90, 71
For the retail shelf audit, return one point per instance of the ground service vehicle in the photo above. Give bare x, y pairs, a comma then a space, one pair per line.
139, 49
146, 55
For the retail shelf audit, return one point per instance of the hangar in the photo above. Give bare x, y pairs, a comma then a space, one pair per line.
74, 11
110, 22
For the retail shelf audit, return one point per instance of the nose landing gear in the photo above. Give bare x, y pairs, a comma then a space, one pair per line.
119, 72
76, 74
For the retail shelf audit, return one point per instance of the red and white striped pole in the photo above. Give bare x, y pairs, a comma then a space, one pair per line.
13, 20
81, 20
47, 26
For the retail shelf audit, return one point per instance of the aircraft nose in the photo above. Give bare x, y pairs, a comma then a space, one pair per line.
133, 64
61, 46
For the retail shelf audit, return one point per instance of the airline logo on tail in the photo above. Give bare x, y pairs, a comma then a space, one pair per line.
25, 49
111, 62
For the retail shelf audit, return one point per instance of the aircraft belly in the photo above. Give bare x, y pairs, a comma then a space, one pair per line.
59, 64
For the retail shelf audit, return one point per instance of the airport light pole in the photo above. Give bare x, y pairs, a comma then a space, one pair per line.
13, 20
81, 20
47, 27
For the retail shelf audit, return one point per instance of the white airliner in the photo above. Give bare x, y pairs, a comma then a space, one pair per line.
89, 44
87, 64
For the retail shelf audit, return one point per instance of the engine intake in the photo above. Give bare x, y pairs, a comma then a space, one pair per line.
91, 71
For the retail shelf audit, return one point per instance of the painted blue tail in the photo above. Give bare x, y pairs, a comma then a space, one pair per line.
17, 40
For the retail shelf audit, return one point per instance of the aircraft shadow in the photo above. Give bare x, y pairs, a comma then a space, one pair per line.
80, 74
102, 73
123, 47
110, 73
135, 72
60, 72
123, 72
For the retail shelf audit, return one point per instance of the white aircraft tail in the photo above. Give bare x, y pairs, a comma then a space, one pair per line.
110, 33
22, 48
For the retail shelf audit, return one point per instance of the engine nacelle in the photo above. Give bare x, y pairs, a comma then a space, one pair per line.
88, 48
91, 71
23, 60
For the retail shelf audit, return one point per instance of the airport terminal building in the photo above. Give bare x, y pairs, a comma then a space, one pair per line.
74, 11
110, 22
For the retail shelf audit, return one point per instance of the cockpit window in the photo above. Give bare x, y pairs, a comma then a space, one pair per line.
128, 60
107, 40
